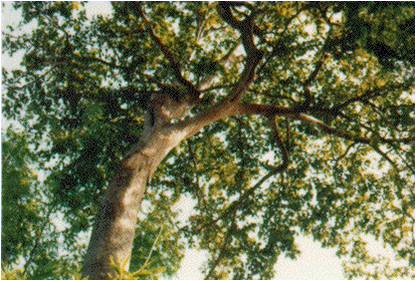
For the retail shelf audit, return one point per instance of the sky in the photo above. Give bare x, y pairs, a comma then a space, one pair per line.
314, 261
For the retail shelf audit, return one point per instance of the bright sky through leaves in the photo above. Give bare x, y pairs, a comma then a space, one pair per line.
337, 158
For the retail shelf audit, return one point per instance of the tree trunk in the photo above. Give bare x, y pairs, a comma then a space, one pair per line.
115, 223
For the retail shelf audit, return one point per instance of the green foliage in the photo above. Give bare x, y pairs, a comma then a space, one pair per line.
79, 96
141, 274
386, 30
19, 206
15, 274
29, 231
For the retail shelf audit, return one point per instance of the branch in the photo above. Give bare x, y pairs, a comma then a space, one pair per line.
312, 76
100, 60
371, 93
221, 251
346, 135
330, 130
254, 56
206, 83
385, 156
233, 207
283, 149
229, 108
174, 64
342, 156
265, 109
216, 87
297, 114
32, 252
199, 194
391, 141
224, 10
307, 93
278, 46
152, 249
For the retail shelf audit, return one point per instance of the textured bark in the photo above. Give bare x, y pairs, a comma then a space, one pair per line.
115, 224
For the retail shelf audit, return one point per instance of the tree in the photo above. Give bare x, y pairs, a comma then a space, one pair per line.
28, 231
277, 119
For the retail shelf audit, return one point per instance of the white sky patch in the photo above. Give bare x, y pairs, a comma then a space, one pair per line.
184, 207
314, 263
98, 8
192, 265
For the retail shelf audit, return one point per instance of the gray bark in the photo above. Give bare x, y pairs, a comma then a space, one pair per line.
115, 224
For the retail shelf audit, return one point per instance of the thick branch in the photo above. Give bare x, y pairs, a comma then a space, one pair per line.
224, 10
264, 109
229, 108
330, 130
217, 112
254, 56
296, 114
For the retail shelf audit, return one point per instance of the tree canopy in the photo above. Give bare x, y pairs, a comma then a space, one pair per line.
322, 143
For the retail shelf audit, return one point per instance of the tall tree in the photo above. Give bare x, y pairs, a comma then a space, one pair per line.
277, 119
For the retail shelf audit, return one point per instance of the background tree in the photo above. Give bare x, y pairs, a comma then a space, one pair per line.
278, 119
29, 234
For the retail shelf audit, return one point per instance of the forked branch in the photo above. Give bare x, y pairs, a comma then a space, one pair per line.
173, 62
247, 29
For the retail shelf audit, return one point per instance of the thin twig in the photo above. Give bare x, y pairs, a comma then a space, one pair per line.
222, 249
274, 171
152, 248
38, 237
